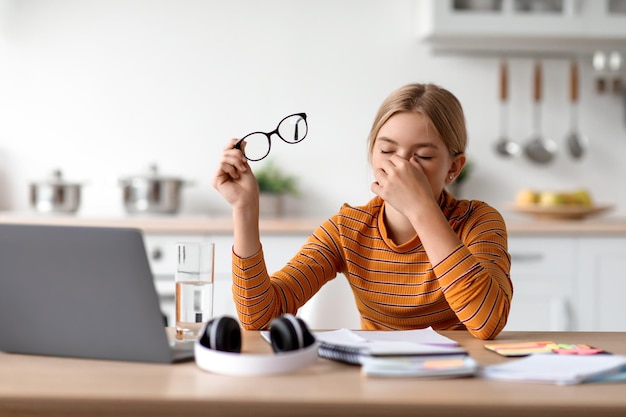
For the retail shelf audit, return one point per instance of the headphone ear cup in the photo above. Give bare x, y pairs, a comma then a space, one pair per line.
309, 339
290, 333
222, 333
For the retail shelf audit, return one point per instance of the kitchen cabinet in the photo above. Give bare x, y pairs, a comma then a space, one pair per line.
544, 292
560, 283
567, 275
601, 283
568, 283
522, 26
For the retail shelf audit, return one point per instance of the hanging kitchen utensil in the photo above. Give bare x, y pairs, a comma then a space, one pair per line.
539, 149
615, 65
599, 66
576, 142
505, 146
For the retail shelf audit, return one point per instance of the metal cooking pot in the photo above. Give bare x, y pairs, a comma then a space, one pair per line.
152, 193
55, 195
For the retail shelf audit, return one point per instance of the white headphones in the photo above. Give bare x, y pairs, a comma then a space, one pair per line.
218, 348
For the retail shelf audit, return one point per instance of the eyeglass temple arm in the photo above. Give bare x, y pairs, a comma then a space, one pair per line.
295, 133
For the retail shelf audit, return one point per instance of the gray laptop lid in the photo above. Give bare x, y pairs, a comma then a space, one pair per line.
79, 292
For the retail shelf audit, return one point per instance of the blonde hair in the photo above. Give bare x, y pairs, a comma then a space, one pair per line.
437, 104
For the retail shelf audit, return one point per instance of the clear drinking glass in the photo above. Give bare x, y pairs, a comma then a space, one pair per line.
194, 288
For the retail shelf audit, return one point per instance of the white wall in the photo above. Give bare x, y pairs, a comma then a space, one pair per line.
102, 88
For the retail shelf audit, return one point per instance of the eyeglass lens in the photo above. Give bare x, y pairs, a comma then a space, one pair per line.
292, 129
257, 146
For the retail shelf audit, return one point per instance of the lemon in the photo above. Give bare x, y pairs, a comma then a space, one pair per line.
527, 196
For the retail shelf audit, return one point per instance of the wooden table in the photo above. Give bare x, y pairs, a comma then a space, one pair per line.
46, 386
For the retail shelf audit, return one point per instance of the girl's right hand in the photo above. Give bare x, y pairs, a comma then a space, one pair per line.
234, 179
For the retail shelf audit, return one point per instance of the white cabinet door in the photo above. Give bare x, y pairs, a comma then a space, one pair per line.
522, 25
542, 272
604, 20
602, 283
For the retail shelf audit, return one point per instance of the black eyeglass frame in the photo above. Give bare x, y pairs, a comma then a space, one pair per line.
276, 131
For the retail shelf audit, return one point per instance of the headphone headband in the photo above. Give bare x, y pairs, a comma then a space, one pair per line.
229, 363
217, 349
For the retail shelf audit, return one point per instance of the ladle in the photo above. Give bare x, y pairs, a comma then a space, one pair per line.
539, 149
576, 142
505, 146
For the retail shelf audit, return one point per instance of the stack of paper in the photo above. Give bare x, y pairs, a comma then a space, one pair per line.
558, 369
353, 346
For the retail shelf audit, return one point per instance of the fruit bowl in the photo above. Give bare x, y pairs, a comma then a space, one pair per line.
562, 212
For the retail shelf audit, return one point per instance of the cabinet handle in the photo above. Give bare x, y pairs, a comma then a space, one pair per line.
157, 254
527, 257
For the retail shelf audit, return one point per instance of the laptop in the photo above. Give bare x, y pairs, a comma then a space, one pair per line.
82, 292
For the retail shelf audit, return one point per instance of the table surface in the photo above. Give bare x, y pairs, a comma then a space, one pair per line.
49, 386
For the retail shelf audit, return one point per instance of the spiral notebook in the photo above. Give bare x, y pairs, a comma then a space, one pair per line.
355, 346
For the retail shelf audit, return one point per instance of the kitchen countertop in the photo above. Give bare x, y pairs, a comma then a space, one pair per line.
164, 223
223, 225
589, 227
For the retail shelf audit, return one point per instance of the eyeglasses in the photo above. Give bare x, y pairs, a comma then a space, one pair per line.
292, 129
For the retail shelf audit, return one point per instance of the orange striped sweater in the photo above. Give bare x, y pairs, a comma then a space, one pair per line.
395, 286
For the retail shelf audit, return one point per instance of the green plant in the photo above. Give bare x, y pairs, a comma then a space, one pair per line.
272, 180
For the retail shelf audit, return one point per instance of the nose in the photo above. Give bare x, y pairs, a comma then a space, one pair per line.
406, 155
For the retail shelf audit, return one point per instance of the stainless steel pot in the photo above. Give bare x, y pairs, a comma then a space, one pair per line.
55, 195
152, 193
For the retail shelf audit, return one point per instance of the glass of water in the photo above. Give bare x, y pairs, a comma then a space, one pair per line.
194, 288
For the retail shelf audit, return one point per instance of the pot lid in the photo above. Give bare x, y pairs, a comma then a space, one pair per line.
56, 179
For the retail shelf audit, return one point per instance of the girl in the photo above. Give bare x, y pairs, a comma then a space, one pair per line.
414, 255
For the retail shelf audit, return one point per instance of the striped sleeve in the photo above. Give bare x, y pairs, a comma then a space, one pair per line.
475, 276
260, 297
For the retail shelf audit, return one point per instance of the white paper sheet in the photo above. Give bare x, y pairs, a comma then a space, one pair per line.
557, 369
